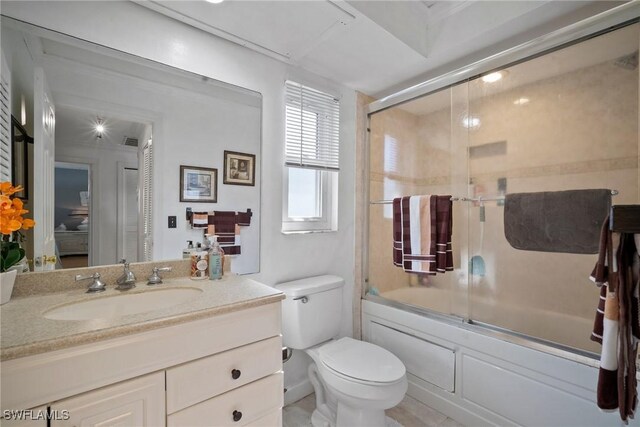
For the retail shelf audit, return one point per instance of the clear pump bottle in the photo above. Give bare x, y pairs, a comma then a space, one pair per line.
216, 255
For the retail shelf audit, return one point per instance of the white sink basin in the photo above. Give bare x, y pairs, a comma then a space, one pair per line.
122, 305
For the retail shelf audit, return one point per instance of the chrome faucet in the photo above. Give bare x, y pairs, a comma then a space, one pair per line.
96, 286
155, 278
127, 280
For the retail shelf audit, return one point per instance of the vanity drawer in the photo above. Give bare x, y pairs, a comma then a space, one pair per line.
202, 379
270, 420
250, 403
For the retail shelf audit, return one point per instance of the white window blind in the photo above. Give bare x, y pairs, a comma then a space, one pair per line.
312, 128
5, 123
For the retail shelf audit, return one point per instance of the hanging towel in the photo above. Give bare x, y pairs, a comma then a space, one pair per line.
556, 221
199, 219
226, 225
422, 227
616, 325
397, 232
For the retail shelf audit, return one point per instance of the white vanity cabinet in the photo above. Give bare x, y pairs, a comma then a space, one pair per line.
137, 402
222, 370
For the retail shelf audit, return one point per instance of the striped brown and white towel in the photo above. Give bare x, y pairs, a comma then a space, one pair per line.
199, 219
225, 225
422, 227
616, 326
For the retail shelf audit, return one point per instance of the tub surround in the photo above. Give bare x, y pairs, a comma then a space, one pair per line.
25, 331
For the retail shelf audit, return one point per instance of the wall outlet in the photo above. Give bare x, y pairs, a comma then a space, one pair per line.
173, 221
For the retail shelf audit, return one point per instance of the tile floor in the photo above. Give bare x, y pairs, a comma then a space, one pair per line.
409, 413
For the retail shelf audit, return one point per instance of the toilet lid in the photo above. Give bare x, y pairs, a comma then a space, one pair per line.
361, 360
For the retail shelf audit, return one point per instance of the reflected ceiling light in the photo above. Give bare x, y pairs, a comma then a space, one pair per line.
470, 122
492, 77
214, 1
99, 127
521, 101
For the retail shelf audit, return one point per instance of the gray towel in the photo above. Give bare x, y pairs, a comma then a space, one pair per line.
556, 221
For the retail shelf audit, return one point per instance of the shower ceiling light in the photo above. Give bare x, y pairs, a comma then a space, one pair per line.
214, 1
470, 122
493, 77
521, 101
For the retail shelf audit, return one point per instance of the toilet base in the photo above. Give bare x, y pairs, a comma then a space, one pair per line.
319, 419
348, 416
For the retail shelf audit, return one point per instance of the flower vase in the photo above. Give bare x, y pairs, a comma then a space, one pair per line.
7, 280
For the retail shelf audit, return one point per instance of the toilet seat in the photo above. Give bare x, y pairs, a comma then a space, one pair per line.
361, 362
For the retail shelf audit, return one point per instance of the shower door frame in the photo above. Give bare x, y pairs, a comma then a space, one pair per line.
611, 20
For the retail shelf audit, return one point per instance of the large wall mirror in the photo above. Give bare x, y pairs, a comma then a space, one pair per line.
113, 135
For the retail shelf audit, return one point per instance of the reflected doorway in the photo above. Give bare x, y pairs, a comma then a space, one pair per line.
72, 214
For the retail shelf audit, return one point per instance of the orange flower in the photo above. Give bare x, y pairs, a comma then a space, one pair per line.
6, 189
11, 210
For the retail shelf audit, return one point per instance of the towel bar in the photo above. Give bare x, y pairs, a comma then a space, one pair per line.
464, 199
625, 218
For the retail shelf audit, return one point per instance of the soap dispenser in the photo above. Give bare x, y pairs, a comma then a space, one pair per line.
216, 255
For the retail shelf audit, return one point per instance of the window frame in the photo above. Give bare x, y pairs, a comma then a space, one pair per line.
327, 179
326, 198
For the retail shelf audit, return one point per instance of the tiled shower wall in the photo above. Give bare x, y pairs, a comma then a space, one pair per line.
578, 130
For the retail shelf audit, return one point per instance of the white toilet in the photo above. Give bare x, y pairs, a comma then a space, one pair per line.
354, 381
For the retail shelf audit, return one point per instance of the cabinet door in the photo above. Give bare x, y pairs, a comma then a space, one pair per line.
137, 402
31, 418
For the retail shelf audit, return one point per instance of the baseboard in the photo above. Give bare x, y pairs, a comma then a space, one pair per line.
298, 391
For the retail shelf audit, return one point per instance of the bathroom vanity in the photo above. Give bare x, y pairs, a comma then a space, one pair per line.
210, 357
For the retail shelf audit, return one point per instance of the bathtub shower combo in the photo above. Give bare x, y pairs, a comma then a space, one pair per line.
504, 338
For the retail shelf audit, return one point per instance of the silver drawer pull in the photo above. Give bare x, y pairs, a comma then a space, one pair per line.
303, 299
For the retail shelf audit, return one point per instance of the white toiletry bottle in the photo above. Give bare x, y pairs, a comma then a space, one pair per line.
186, 253
215, 259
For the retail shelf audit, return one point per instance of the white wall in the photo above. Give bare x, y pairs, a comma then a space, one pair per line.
131, 28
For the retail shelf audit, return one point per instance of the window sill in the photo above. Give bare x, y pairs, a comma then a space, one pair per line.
307, 231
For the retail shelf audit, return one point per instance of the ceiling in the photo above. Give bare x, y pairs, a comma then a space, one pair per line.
378, 47
77, 126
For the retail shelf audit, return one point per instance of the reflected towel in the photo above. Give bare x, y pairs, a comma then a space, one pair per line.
199, 219
226, 225
556, 221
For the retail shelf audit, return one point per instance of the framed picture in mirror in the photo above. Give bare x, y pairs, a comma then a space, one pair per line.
239, 168
198, 184
20, 141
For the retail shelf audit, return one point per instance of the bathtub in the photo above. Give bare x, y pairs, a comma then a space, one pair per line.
481, 375
557, 329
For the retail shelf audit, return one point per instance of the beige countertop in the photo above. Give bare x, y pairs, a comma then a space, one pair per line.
24, 331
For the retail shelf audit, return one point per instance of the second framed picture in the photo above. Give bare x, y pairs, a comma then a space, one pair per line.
198, 184
239, 168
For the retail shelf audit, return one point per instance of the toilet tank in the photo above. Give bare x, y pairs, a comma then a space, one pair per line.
312, 311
